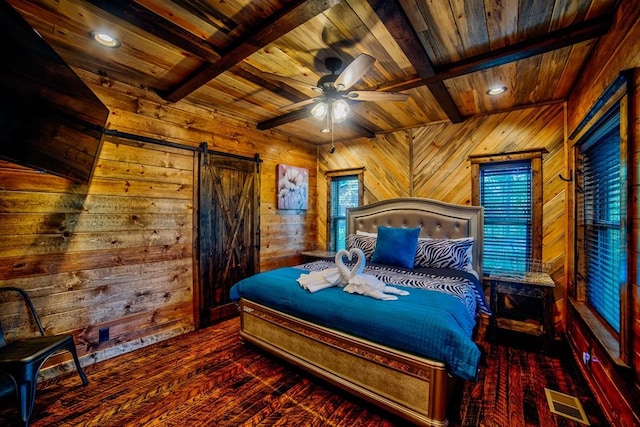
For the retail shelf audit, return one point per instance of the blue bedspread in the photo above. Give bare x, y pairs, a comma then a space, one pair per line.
429, 323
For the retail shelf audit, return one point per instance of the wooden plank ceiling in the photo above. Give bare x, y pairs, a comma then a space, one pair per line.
227, 55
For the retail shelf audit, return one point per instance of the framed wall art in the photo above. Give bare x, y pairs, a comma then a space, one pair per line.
292, 187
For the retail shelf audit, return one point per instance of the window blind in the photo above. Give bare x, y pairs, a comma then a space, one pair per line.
505, 194
344, 194
601, 214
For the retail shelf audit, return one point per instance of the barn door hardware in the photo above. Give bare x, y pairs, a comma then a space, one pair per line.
205, 152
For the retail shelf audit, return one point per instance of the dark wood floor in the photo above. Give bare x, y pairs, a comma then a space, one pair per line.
209, 378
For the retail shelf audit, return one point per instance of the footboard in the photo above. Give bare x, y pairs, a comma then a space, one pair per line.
412, 387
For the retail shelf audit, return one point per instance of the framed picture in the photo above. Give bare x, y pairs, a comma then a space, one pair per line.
292, 187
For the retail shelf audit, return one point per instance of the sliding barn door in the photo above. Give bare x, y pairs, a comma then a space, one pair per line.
228, 230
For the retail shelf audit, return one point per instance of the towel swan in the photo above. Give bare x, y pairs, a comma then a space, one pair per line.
353, 281
345, 273
340, 275
318, 280
368, 284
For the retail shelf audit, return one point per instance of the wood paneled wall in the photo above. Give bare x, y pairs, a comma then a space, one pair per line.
284, 234
115, 253
616, 387
119, 252
386, 159
433, 162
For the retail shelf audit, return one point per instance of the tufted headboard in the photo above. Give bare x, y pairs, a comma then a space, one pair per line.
438, 220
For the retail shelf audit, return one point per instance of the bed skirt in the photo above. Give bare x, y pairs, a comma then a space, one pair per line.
412, 387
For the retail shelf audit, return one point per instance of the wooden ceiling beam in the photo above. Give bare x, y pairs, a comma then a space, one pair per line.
294, 14
305, 113
252, 74
558, 39
395, 20
283, 119
138, 16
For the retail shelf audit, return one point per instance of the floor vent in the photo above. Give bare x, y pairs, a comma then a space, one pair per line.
567, 406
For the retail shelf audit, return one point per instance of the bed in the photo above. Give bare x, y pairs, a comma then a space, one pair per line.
404, 355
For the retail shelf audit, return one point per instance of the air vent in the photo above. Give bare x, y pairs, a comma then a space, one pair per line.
566, 406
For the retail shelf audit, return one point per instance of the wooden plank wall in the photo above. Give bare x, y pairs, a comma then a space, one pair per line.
616, 387
433, 162
119, 251
115, 253
140, 112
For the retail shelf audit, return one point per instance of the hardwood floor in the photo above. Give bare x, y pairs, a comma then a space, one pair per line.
209, 378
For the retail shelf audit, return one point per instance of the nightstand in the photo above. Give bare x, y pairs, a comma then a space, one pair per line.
522, 303
309, 256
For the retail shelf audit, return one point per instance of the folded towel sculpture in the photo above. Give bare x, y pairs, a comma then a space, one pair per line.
353, 281
319, 280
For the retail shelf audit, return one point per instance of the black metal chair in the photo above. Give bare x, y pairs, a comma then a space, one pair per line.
22, 359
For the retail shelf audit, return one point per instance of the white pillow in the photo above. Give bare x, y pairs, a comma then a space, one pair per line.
365, 233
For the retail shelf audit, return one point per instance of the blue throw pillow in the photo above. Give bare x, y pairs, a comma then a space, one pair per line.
396, 246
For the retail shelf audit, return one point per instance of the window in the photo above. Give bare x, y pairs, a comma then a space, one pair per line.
605, 250
505, 193
509, 187
344, 191
601, 250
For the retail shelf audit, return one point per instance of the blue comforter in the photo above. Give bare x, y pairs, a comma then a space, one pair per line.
426, 322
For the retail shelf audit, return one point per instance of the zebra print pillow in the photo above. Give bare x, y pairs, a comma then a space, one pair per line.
366, 243
444, 253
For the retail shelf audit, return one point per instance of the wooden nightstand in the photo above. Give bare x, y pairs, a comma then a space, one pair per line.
309, 256
530, 310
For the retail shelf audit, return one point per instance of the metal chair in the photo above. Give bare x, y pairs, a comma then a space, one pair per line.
22, 359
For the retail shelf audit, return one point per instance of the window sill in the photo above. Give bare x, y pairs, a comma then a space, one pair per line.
607, 341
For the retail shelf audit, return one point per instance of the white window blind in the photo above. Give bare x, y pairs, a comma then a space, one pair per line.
505, 194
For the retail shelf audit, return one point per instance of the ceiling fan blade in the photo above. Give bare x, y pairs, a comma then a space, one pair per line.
299, 104
354, 71
369, 95
293, 82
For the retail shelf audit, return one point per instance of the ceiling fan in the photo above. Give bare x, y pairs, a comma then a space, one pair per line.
332, 104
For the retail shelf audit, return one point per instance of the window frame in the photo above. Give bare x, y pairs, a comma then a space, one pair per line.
588, 221
535, 156
618, 346
330, 176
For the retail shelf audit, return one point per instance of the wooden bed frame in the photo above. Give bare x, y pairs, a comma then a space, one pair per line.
415, 388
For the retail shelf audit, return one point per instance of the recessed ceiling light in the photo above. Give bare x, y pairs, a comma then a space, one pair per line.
497, 90
105, 39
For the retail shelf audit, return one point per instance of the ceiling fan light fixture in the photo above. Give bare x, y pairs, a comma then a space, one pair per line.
340, 111
319, 111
